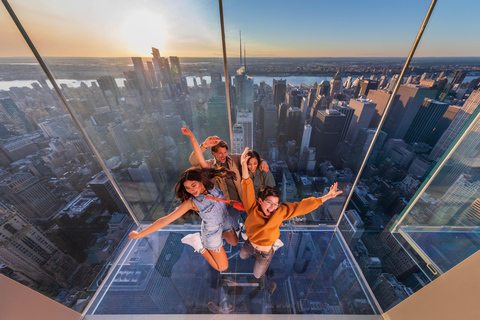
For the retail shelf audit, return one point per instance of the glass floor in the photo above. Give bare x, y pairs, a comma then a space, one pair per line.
313, 273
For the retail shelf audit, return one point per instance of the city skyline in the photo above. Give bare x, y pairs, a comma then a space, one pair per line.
191, 29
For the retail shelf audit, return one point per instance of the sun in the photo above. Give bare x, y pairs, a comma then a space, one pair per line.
143, 30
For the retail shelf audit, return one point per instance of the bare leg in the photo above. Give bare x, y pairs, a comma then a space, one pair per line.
218, 260
231, 237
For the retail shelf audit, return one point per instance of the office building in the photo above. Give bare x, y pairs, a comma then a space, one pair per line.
29, 253
245, 119
327, 128
361, 118
238, 138
279, 90
380, 98
29, 195
457, 123
400, 118
425, 121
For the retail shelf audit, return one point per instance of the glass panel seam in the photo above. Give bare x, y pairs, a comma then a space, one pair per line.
352, 259
389, 105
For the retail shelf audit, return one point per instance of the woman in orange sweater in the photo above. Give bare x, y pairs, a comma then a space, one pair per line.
265, 216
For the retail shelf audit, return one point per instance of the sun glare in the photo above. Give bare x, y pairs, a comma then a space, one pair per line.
143, 30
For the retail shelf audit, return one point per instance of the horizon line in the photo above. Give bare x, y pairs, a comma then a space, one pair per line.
233, 56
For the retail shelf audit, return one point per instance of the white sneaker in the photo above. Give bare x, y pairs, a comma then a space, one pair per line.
277, 244
242, 232
194, 240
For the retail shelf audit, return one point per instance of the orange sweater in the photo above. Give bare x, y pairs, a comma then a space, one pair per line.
263, 230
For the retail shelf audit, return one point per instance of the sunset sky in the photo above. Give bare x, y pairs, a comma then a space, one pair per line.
190, 28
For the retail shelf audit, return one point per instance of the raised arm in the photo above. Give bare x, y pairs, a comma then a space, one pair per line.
162, 222
208, 143
248, 196
243, 162
196, 148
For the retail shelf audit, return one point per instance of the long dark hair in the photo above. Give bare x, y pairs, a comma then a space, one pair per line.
203, 175
253, 154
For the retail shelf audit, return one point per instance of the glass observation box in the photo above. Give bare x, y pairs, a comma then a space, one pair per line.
93, 97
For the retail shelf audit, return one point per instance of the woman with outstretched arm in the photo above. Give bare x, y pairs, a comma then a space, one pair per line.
192, 188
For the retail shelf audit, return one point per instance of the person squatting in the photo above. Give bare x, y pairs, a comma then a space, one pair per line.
220, 178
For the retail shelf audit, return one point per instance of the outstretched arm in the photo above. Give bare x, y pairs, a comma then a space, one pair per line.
162, 222
196, 148
208, 143
332, 193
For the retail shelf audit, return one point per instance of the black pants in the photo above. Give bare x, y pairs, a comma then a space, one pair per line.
262, 259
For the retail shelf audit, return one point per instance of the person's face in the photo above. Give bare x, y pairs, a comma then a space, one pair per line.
194, 187
221, 154
269, 205
252, 164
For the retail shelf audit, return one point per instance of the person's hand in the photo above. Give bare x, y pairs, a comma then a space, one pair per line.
187, 132
211, 141
134, 235
333, 191
244, 158
263, 166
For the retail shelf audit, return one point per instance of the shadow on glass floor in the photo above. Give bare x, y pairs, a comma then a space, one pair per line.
312, 273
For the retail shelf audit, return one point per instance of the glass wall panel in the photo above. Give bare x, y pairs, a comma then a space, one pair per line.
436, 98
133, 75
293, 74
57, 225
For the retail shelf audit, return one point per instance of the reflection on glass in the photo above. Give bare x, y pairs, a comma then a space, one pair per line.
443, 223
311, 274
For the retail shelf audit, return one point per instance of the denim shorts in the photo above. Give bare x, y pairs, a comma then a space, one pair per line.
212, 235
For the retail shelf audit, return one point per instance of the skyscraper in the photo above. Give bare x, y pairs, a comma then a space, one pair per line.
380, 98
176, 72
349, 113
424, 122
14, 115
293, 123
404, 111
245, 119
218, 116
454, 128
327, 128
268, 124
162, 68
362, 143
238, 138
120, 138
365, 86
336, 85
109, 89
142, 75
279, 90
106, 193
323, 88
364, 110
